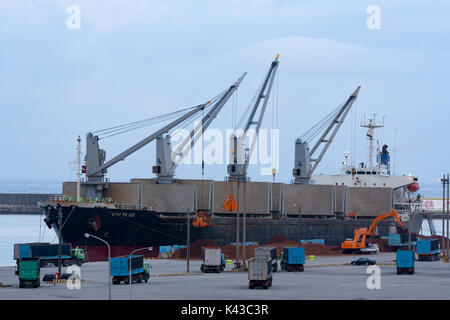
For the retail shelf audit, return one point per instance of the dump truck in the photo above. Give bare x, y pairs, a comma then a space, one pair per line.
120, 269
260, 273
48, 253
29, 270
269, 253
405, 261
212, 260
428, 249
293, 259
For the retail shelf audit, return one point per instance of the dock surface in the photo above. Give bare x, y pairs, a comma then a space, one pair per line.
324, 278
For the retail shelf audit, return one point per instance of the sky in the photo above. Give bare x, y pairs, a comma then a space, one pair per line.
131, 60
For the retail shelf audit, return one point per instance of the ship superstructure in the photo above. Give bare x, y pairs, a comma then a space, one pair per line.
376, 174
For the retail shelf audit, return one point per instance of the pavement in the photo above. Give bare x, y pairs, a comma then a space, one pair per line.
327, 277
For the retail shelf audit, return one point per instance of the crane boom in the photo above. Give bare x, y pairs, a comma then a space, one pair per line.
237, 170
168, 160
96, 167
304, 156
93, 170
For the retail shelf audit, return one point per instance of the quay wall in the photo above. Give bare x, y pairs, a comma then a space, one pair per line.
22, 203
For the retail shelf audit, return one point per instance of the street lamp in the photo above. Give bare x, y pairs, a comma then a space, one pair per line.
129, 264
87, 235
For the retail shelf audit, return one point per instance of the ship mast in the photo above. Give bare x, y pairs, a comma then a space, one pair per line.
78, 168
371, 125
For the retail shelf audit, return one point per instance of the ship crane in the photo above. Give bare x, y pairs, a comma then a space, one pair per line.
304, 163
166, 159
249, 126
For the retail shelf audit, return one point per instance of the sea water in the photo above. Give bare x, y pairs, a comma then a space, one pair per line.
21, 228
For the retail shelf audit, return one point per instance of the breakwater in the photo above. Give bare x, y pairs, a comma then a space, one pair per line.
22, 203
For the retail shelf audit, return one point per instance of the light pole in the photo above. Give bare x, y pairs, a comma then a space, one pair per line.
87, 235
188, 239
129, 264
298, 222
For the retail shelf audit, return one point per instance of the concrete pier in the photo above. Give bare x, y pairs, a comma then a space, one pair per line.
327, 277
22, 203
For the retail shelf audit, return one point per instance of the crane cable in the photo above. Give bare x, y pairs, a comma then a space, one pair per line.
123, 128
203, 148
319, 126
139, 124
249, 107
188, 121
354, 134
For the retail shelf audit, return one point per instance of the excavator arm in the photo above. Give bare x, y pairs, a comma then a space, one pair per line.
359, 240
383, 216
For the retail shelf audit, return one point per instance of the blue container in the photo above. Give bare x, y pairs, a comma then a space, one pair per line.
423, 247
427, 246
120, 265
248, 243
25, 251
405, 259
164, 249
318, 241
394, 239
176, 247
295, 255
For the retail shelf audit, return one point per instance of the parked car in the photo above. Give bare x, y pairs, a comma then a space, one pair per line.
363, 262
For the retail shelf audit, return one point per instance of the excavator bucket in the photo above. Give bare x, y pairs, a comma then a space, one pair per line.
230, 203
201, 220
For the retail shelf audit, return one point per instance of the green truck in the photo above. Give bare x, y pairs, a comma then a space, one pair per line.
48, 253
29, 271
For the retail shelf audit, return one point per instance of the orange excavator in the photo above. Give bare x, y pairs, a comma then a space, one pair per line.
359, 241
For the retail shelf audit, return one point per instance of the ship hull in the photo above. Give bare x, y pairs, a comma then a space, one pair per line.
127, 230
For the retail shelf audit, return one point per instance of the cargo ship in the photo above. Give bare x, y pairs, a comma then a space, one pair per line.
153, 212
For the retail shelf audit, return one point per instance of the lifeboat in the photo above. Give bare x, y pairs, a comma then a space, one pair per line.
413, 187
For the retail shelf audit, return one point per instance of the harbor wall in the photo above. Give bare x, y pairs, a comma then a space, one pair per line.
22, 203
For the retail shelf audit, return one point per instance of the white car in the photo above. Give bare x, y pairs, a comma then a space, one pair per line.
371, 248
